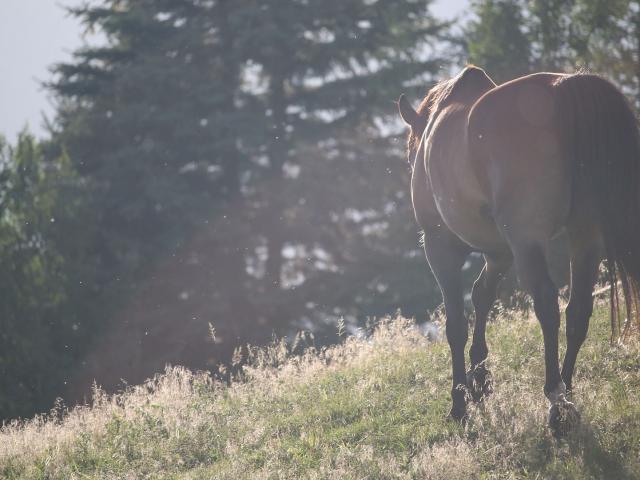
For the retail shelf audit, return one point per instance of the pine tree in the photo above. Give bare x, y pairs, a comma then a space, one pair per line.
151, 122
228, 150
497, 39
36, 343
330, 68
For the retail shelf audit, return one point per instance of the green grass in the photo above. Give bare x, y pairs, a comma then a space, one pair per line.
370, 408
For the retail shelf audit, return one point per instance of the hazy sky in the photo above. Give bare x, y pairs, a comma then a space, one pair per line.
34, 34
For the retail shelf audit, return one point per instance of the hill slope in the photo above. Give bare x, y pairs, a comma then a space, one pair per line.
371, 408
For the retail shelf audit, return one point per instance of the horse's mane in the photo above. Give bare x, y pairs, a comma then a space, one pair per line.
436, 95
449, 90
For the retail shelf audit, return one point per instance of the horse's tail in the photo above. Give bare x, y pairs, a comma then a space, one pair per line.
603, 140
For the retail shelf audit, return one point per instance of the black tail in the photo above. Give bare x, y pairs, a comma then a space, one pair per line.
603, 139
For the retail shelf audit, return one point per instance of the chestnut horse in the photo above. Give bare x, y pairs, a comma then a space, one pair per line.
501, 170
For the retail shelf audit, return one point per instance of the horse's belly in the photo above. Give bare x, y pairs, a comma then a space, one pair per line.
461, 202
472, 223
459, 197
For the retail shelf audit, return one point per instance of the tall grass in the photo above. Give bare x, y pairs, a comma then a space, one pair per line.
373, 407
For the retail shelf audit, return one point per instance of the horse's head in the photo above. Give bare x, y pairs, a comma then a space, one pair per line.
464, 88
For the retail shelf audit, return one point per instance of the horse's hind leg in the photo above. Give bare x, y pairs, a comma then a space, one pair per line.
483, 296
534, 276
446, 254
585, 260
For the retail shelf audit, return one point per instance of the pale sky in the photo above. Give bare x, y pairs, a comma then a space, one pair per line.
35, 34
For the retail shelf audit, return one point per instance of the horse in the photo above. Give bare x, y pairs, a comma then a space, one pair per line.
503, 169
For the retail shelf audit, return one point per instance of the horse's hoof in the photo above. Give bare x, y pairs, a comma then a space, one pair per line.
563, 417
479, 383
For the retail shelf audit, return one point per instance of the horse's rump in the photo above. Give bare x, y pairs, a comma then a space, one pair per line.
515, 152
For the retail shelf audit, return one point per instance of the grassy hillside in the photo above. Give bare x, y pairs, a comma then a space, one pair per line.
371, 408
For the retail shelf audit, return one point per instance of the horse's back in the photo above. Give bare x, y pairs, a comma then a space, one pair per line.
516, 150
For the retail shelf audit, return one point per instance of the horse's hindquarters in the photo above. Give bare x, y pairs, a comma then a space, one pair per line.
516, 146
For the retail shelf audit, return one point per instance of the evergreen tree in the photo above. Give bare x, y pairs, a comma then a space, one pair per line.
558, 35
606, 39
550, 32
497, 39
35, 342
236, 157
330, 68
150, 121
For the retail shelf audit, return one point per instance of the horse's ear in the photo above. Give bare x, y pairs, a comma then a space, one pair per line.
408, 114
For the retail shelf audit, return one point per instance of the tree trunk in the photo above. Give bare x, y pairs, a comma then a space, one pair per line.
278, 147
231, 267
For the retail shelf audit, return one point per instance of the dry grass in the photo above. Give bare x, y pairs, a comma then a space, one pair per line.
370, 408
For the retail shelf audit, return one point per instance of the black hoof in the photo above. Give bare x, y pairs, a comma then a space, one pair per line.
459, 399
479, 383
563, 417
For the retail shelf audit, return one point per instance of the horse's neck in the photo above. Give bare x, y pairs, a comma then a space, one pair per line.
449, 164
